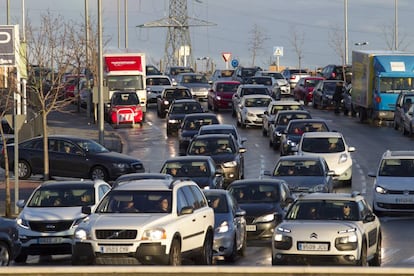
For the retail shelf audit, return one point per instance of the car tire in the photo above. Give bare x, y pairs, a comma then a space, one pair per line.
276, 262
232, 257
376, 261
21, 258
363, 258
242, 251
25, 171
5, 254
174, 257
206, 254
99, 172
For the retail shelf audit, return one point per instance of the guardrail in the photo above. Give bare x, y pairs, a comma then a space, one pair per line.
201, 270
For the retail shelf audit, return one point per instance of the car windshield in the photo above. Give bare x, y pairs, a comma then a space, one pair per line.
91, 146
260, 80
299, 168
275, 75
298, 128
64, 196
211, 146
257, 102
255, 91
176, 94
227, 87
323, 145
329, 88
255, 193
158, 81
397, 167
186, 169
285, 118
276, 108
194, 79
323, 210
196, 123
125, 99
146, 201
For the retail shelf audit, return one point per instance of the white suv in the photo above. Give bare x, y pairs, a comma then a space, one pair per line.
151, 221
393, 187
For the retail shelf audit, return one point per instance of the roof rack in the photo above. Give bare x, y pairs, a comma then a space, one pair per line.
355, 193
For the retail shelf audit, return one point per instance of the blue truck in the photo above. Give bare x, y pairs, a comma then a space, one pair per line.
378, 77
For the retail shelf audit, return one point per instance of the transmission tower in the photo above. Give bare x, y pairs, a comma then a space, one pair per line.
178, 50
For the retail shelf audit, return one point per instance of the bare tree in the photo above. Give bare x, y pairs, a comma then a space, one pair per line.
388, 32
256, 43
337, 43
297, 41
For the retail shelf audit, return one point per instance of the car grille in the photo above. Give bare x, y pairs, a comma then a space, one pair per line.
116, 234
137, 166
260, 115
401, 206
50, 226
396, 192
250, 219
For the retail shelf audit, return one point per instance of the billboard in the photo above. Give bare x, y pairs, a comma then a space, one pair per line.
8, 39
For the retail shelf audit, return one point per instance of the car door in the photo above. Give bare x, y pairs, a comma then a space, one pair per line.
239, 221
370, 226
72, 163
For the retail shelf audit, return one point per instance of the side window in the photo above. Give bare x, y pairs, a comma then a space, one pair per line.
363, 208
199, 197
102, 191
181, 200
189, 196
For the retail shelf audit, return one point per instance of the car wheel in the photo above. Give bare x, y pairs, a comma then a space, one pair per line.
206, 254
174, 258
363, 258
242, 251
25, 171
276, 261
99, 172
376, 261
4, 254
21, 258
232, 257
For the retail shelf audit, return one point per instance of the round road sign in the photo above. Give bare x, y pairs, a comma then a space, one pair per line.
234, 63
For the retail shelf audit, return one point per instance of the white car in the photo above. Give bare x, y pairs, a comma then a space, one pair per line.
273, 108
251, 110
393, 186
149, 221
332, 147
328, 228
155, 85
51, 214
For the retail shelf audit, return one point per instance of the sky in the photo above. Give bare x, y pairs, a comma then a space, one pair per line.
318, 25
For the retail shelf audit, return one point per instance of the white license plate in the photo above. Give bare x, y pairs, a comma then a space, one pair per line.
50, 240
404, 200
313, 246
114, 249
125, 117
251, 227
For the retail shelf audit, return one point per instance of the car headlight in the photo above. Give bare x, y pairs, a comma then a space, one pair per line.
223, 228
166, 102
23, 223
266, 218
230, 164
154, 234
76, 222
343, 158
283, 230
218, 98
329, 97
319, 188
81, 234
172, 121
380, 190
121, 165
250, 114
291, 143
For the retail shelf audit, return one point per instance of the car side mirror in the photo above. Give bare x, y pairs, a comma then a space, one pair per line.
20, 203
86, 210
186, 210
369, 218
268, 173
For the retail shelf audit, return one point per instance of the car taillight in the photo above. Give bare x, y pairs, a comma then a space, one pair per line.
292, 77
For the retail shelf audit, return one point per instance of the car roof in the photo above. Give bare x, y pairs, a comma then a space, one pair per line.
251, 86
285, 102
217, 126
403, 154
200, 115
255, 96
308, 121
354, 196
322, 134
300, 157
176, 87
145, 184
71, 183
255, 181
295, 111
227, 82
185, 101
189, 158
215, 135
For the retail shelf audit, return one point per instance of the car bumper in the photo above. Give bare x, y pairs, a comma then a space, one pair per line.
400, 203
253, 121
343, 173
297, 259
285, 90
260, 231
46, 245
223, 244
224, 104
230, 174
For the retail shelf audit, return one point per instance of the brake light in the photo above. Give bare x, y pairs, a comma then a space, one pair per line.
377, 99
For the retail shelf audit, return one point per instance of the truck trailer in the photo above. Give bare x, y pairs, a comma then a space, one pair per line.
378, 77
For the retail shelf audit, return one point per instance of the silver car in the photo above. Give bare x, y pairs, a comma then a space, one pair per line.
230, 236
251, 110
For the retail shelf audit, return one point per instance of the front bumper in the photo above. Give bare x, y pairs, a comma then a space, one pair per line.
260, 231
46, 245
223, 244
297, 259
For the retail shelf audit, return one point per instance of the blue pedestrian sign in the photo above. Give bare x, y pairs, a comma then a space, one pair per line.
234, 63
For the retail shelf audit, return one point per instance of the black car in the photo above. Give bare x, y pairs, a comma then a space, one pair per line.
201, 169
177, 112
241, 73
280, 123
71, 156
294, 130
323, 93
265, 202
225, 151
10, 244
191, 125
168, 95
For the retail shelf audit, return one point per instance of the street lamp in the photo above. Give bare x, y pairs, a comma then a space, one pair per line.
361, 43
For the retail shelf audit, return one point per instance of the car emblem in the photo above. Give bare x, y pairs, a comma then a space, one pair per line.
50, 226
313, 236
406, 192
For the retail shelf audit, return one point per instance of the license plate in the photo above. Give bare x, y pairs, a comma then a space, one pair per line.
114, 249
313, 246
51, 240
404, 200
125, 117
251, 227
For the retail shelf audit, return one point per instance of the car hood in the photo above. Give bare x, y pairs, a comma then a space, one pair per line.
223, 157
303, 229
52, 213
225, 95
176, 116
256, 110
302, 183
331, 158
259, 208
189, 133
281, 82
157, 88
395, 183
294, 137
127, 220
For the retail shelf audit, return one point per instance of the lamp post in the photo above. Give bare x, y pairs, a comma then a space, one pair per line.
361, 43
346, 29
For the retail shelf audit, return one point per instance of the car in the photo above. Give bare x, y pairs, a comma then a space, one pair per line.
251, 110
244, 90
221, 75
191, 125
49, 217
196, 82
337, 72
333, 148
10, 244
304, 174
283, 85
328, 229
241, 73
268, 81
124, 109
173, 71
303, 90
403, 113
85, 159
150, 221
178, 110
201, 169
225, 151
273, 108
223, 129
280, 123
220, 94
151, 70
125, 178
155, 85
323, 93
170, 94
393, 183
294, 130
265, 202
230, 235
294, 75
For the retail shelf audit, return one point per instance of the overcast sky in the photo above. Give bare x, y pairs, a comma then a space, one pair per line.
319, 22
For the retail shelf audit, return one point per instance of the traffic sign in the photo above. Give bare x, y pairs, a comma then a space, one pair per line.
278, 51
226, 56
234, 63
